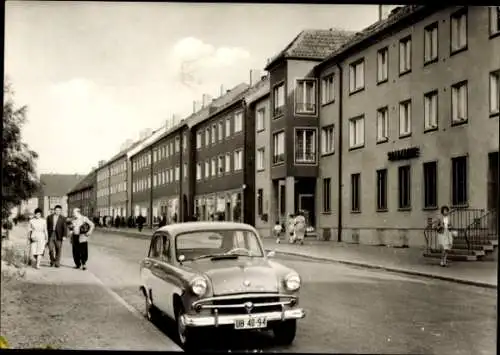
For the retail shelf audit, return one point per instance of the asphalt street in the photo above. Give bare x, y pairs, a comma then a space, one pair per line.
349, 309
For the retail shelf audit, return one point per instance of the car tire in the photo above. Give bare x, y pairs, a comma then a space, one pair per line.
284, 332
186, 336
151, 312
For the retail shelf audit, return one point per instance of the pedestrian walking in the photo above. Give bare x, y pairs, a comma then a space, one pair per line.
57, 228
277, 230
82, 228
291, 228
445, 234
140, 222
300, 228
37, 236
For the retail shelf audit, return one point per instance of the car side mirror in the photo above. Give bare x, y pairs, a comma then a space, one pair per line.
182, 258
271, 254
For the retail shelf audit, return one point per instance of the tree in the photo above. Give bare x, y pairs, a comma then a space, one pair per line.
19, 178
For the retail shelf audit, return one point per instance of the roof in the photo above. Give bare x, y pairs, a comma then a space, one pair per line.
86, 183
397, 15
58, 184
258, 91
313, 45
178, 228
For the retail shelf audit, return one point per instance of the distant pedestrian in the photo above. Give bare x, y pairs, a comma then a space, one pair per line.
291, 228
163, 221
300, 227
445, 234
277, 230
82, 228
140, 222
38, 236
57, 228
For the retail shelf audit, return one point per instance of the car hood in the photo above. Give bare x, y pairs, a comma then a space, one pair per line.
237, 276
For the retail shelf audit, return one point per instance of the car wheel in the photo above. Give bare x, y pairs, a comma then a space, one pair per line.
185, 335
284, 332
150, 310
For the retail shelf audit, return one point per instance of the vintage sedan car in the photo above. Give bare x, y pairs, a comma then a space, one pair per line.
217, 274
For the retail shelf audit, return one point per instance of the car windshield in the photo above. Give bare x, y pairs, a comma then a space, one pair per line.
218, 243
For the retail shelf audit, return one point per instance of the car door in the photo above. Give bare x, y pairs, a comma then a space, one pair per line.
147, 265
154, 258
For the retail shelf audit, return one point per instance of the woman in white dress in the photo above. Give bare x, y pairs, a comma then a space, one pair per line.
445, 235
38, 236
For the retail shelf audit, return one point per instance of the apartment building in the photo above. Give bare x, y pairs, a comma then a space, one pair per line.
409, 122
294, 120
265, 206
83, 195
102, 189
118, 185
222, 188
141, 183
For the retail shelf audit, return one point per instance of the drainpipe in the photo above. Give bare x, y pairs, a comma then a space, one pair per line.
151, 187
181, 216
339, 182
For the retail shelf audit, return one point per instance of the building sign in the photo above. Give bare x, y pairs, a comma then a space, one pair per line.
404, 154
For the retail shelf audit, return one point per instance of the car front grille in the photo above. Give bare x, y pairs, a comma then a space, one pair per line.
260, 304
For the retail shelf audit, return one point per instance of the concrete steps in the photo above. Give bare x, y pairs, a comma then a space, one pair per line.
454, 257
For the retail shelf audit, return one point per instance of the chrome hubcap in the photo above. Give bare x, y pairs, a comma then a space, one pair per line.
181, 328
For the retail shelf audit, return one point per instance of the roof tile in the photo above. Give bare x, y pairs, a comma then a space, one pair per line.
58, 184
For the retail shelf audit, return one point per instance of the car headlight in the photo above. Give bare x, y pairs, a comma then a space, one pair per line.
199, 286
292, 282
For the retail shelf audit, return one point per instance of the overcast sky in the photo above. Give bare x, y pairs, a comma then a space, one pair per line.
95, 74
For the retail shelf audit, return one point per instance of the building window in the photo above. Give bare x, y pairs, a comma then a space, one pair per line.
207, 169
238, 160
228, 127
382, 190
459, 181
305, 145
404, 187
221, 164
177, 144
184, 171
382, 65
327, 140
177, 173
431, 43
227, 164
327, 89
214, 167
221, 130
431, 110
357, 76
305, 96
459, 31
494, 20
279, 100
459, 102
405, 118
238, 122
207, 137
155, 180
198, 171
495, 93
260, 119
155, 156
355, 192
278, 147
357, 132
430, 185
260, 204
327, 187
260, 159
214, 133
405, 55
184, 141
382, 124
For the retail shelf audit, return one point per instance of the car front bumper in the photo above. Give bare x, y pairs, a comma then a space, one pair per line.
216, 320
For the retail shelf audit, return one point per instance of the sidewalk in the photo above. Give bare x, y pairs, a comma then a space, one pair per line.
402, 260
66, 308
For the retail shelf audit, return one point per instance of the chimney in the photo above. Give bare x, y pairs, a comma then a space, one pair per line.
206, 99
255, 74
221, 90
380, 12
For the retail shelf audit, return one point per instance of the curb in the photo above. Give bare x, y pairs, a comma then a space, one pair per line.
394, 270
350, 263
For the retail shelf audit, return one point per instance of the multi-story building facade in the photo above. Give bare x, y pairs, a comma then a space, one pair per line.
102, 190
294, 120
118, 197
265, 206
219, 144
83, 195
409, 122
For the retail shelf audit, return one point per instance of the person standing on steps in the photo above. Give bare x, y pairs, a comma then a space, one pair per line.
57, 228
82, 228
445, 235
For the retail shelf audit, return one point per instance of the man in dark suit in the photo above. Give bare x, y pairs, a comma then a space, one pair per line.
57, 228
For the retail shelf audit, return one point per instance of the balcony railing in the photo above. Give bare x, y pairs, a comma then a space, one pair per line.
305, 107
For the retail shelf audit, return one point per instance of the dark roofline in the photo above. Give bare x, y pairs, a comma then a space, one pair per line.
174, 129
412, 13
86, 186
282, 54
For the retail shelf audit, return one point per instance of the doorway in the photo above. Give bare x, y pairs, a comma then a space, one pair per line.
306, 204
492, 181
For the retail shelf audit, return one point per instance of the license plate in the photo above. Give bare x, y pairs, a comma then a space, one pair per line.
250, 322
